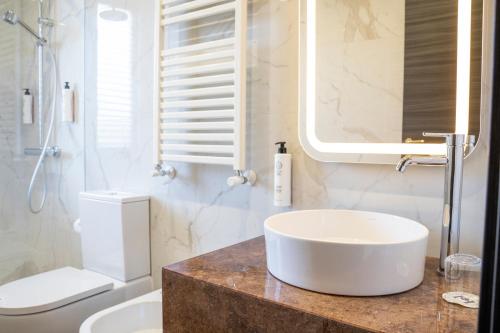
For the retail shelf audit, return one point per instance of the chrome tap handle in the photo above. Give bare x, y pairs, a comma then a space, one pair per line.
160, 171
437, 135
452, 139
248, 177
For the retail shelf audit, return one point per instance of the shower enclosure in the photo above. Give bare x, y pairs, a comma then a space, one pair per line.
43, 151
33, 217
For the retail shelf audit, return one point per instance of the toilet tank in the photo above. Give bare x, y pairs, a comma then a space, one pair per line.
115, 234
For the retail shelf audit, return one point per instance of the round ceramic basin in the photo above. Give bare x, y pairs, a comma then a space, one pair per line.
346, 252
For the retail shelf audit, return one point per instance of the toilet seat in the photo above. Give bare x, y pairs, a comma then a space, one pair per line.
50, 290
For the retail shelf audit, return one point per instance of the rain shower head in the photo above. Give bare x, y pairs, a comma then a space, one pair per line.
114, 14
11, 18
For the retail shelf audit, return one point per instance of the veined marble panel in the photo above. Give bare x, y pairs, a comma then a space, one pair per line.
359, 70
197, 212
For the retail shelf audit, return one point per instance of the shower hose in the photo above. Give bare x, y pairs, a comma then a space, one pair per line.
40, 165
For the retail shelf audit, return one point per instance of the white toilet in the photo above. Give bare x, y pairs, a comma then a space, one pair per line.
116, 261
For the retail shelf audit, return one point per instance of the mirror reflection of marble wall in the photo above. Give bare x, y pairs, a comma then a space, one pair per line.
360, 69
386, 69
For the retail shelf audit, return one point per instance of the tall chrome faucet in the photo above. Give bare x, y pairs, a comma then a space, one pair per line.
453, 162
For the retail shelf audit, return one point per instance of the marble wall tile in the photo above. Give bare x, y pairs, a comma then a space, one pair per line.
197, 212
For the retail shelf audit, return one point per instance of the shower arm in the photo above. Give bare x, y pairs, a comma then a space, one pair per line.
40, 39
11, 18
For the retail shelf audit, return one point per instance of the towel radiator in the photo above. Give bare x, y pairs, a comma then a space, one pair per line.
200, 83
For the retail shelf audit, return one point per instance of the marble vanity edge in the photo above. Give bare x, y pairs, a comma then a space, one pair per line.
230, 289
308, 322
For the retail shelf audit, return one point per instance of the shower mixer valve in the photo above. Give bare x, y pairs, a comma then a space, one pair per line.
53, 151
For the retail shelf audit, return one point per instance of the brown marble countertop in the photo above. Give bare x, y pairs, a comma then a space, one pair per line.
241, 268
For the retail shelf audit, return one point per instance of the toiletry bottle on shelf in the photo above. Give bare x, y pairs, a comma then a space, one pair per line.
68, 110
27, 107
282, 177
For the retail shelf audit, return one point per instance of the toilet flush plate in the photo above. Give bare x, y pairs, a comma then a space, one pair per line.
50, 290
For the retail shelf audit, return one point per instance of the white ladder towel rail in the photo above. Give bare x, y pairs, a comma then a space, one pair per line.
200, 88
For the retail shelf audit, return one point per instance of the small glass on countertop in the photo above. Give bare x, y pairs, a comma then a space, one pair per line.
462, 274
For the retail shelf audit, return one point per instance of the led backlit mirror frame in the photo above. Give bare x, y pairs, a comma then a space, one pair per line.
377, 153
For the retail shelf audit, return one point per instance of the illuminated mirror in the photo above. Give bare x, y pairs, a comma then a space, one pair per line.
376, 74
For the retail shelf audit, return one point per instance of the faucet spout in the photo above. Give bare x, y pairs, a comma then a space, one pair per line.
453, 163
403, 164
420, 160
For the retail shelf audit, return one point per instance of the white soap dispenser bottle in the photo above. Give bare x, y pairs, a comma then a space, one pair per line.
68, 105
27, 107
282, 177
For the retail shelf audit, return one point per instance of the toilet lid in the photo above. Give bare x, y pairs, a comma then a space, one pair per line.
50, 290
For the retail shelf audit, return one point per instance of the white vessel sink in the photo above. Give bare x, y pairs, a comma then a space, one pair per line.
346, 252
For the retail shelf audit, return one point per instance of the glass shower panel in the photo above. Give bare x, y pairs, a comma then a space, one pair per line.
13, 248
30, 243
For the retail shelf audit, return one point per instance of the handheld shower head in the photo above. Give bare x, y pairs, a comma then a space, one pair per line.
10, 17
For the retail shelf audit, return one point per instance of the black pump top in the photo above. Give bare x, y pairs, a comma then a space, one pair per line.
66, 85
27, 92
282, 148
